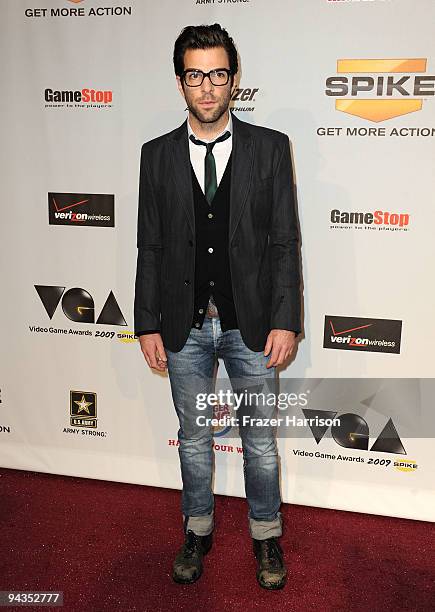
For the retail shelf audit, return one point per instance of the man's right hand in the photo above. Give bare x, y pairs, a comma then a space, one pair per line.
153, 351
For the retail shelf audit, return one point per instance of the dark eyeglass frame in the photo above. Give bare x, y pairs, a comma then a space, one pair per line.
206, 74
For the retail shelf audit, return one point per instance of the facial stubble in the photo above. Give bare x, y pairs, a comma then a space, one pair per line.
210, 116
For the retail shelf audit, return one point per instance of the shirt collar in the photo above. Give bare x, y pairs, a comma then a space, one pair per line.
228, 127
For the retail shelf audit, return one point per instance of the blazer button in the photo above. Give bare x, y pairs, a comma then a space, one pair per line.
187, 282
190, 243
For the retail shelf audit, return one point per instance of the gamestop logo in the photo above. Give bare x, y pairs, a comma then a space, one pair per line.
378, 220
380, 89
361, 334
94, 209
80, 98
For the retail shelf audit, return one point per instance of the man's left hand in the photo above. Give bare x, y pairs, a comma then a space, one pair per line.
281, 342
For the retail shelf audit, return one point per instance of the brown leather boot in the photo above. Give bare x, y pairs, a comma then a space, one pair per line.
271, 571
188, 562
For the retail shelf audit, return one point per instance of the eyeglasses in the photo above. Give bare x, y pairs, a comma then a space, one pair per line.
194, 78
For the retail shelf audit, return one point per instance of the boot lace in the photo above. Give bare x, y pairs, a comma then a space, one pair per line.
191, 544
272, 551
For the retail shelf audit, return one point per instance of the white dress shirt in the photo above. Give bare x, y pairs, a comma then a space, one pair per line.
221, 153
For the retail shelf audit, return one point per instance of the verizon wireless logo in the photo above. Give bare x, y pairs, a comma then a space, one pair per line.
95, 209
362, 334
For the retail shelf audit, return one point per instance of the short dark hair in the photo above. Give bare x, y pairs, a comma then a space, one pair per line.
204, 37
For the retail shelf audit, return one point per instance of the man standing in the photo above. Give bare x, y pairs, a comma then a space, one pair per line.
218, 277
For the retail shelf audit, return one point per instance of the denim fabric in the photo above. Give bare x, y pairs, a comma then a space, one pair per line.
192, 370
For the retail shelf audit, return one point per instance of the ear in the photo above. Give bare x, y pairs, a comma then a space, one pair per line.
180, 86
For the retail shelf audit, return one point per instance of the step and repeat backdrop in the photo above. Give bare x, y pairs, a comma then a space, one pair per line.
352, 83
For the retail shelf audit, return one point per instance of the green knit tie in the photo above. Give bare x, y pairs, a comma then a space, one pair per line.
210, 165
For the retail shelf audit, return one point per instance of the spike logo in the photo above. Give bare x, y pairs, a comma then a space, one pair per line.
380, 89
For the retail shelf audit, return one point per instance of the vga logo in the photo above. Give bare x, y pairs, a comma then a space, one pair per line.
384, 97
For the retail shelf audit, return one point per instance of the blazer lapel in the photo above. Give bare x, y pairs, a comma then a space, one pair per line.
182, 173
241, 172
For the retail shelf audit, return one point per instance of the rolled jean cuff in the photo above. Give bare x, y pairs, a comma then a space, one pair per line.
261, 530
200, 525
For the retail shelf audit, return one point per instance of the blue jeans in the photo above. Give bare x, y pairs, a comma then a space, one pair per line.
191, 371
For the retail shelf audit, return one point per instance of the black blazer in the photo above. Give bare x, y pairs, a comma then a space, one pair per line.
263, 236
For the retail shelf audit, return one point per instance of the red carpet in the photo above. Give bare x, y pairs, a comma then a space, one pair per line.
109, 546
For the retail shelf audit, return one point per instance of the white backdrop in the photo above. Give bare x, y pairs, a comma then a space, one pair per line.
376, 271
